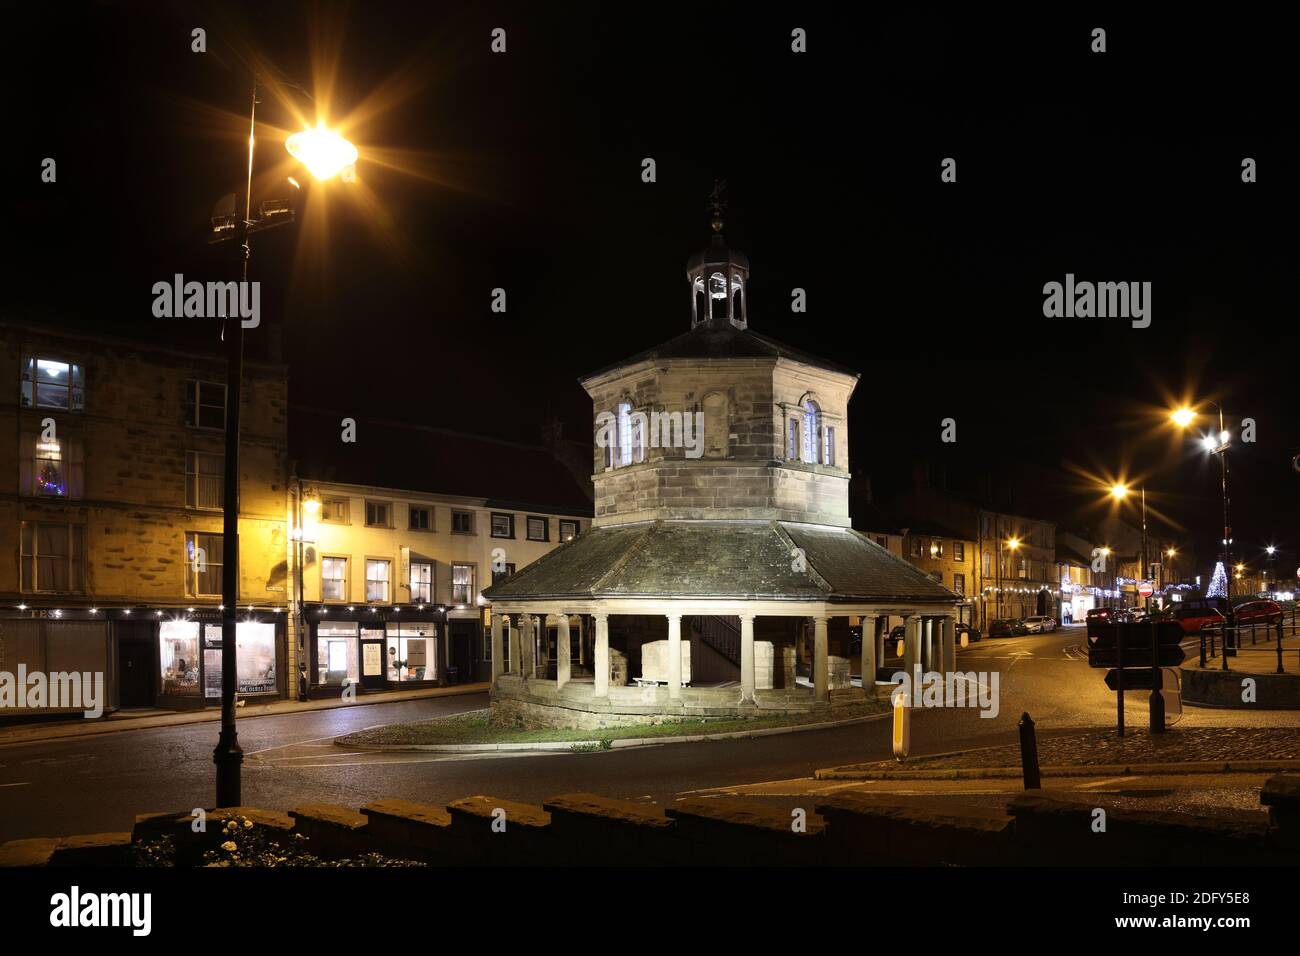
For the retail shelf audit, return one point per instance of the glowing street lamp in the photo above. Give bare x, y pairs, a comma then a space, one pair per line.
1217, 444
324, 152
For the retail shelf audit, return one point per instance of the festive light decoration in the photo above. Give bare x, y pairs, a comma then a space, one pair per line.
1218, 582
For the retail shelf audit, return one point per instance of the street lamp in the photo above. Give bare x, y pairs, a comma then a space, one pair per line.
1183, 417
1012, 543
1119, 492
321, 151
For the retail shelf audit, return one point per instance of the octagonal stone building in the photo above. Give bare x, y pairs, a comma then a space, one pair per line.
721, 576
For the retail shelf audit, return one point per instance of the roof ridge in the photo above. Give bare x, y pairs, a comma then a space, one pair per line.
809, 569
626, 556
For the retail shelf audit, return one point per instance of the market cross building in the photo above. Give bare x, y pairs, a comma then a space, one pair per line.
724, 584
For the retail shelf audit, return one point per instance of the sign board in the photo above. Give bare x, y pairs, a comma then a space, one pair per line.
1145, 589
372, 659
1134, 657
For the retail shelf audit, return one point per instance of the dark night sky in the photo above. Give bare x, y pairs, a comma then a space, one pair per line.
1122, 166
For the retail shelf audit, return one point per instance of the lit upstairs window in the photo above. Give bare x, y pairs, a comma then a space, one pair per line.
48, 383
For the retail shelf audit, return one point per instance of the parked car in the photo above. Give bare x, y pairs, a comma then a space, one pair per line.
972, 633
1192, 616
1040, 624
1010, 627
1258, 613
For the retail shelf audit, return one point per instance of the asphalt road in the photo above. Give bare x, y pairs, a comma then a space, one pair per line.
99, 783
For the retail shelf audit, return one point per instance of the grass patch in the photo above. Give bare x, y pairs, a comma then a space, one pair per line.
476, 729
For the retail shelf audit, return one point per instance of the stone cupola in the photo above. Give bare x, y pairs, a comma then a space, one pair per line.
718, 276
721, 423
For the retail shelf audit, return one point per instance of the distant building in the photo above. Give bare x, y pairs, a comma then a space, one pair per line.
402, 531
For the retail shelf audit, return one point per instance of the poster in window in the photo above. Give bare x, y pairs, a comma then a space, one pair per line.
372, 664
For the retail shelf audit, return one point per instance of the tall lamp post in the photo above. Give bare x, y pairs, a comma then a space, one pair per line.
325, 154
1119, 492
1217, 445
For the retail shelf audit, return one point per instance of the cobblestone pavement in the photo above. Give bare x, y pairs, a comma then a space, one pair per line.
1137, 747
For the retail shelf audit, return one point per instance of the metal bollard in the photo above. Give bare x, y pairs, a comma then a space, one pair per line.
1202, 648
1279, 646
1029, 753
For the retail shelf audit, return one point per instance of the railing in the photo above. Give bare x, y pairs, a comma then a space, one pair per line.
1271, 630
720, 634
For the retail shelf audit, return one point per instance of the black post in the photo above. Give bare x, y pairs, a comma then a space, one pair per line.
1119, 676
1029, 753
228, 756
1279, 645
1156, 702
1202, 648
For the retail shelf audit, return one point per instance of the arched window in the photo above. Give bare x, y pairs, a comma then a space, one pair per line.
717, 426
812, 432
737, 298
625, 432
699, 301
718, 295
988, 563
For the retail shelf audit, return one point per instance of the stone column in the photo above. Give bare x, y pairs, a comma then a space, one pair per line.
869, 654
543, 645
927, 644
949, 643
498, 665
516, 628
526, 647
821, 674
911, 643
881, 635
674, 657
562, 652
747, 658
582, 639
601, 657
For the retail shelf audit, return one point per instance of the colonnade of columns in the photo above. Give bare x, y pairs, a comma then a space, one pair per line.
929, 642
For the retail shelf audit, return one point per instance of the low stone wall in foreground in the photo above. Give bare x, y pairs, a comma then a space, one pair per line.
847, 829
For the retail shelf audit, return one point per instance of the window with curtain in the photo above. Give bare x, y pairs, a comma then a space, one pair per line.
377, 579
52, 557
334, 579
53, 467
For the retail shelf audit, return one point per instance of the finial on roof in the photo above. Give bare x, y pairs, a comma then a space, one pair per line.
717, 204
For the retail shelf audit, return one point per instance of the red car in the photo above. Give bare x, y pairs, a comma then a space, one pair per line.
1258, 612
1194, 616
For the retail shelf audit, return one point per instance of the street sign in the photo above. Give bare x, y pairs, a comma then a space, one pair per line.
1140, 679
1134, 658
1145, 589
1137, 679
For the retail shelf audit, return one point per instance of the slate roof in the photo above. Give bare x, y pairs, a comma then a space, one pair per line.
387, 454
721, 559
719, 339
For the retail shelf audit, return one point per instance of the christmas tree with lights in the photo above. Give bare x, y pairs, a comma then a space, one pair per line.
1218, 582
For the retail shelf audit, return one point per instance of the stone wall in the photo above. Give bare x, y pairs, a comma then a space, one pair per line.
1038, 828
133, 437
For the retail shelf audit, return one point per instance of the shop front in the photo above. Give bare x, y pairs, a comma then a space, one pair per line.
1076, 601
371, 651
189, 660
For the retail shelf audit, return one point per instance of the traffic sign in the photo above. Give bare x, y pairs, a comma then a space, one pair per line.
1135, 657
1145, 589
1140, 679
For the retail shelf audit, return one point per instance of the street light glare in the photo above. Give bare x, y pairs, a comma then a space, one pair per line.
324, 152
1183, 417
1013, 543
1208, 443
1119, 492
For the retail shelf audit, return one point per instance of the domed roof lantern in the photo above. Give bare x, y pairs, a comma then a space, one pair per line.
718, 274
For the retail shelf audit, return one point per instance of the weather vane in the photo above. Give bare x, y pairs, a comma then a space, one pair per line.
717, 203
